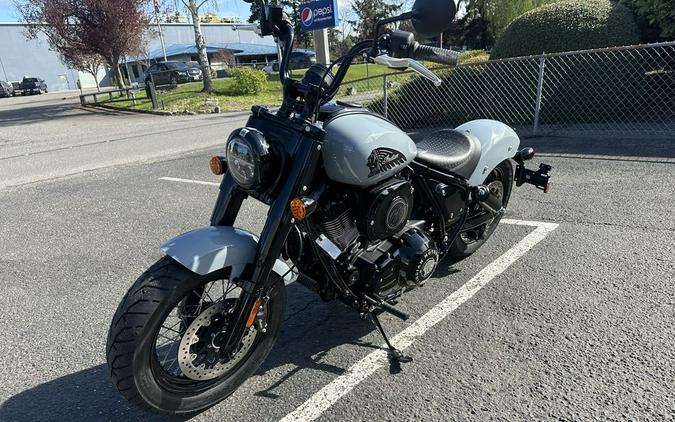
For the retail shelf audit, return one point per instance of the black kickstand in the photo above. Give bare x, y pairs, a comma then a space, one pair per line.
395, 355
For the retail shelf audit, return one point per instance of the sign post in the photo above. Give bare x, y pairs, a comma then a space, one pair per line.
317, 16
321, 46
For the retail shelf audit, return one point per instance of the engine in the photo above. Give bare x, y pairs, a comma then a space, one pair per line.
381, 252
397, 264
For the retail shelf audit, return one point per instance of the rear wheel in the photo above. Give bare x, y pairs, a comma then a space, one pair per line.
500, 182
164, 340
174, 80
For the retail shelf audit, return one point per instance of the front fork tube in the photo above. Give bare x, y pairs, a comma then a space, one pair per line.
277, 227
228, 203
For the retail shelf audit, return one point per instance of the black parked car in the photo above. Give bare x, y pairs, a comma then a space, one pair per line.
302, 59
6, 89
172, 73
33, 86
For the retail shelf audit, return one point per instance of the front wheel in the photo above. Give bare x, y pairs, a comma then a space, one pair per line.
164, 340
500, 183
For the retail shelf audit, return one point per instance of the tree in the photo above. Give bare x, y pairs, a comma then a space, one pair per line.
656, 18
256, 11
486, 19
90, 63
368, 13
194, 6
292, 10
80, 29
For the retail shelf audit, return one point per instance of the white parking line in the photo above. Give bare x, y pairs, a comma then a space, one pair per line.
339, 387
195, 182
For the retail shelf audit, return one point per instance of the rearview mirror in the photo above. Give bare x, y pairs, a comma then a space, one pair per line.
431, 17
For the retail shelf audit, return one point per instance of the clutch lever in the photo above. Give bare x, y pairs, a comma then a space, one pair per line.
408, 63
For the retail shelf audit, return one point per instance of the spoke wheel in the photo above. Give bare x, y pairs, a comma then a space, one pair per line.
499, 182
164, 342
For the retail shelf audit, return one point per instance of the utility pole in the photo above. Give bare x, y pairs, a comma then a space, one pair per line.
321, 46
159, 28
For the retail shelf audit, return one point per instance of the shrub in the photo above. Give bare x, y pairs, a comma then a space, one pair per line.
474, 56
656, 18
248, 81
417, 103
567, 26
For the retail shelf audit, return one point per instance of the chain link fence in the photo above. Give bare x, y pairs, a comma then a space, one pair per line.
621, 92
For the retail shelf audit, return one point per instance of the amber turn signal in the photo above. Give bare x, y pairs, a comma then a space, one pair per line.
298, 210
217, 165
254, 312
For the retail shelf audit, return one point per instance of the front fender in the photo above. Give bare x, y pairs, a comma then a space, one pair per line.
498, 143
210, 249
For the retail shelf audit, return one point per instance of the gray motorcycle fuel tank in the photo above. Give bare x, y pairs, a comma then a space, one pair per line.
362, 148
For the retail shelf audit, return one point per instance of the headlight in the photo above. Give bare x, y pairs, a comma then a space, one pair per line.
249, 159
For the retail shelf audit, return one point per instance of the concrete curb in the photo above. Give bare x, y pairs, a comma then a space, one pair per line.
164, 113
110, 108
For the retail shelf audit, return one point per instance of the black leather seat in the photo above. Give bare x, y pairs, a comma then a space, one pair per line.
451, 151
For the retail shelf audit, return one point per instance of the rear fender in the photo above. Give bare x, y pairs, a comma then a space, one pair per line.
210, 249
498, 143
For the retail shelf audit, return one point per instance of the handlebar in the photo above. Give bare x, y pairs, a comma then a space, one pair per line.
436, 55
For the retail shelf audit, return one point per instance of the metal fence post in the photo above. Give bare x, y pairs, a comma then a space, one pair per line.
540, 89
386, 97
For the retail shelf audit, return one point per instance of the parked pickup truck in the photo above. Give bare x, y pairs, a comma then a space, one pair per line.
33, 86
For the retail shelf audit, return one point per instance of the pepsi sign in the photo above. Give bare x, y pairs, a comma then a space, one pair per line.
318, 15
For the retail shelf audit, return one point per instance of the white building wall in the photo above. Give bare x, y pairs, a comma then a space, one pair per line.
21, 57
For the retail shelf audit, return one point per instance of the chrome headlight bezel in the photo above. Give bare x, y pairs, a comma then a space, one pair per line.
249, 158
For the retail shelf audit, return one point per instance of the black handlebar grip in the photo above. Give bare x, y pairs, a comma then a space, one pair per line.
436, 55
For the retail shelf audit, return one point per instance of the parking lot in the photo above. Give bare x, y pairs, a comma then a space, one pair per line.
566, 314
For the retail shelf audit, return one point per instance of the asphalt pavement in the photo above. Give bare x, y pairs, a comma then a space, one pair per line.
577, 326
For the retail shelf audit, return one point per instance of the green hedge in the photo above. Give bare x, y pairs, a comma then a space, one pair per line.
567, 26
248, 81
656, 18
582, 89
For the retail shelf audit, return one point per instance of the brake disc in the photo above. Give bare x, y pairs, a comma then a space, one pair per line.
192, 362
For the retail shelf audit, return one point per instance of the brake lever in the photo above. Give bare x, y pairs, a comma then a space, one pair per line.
408, 63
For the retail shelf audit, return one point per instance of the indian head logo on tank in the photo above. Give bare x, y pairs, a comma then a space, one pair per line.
307, 16
384, 159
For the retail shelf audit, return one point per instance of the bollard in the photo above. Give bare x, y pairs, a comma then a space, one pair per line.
152, 94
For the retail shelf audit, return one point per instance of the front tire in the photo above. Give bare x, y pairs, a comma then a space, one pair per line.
501, 179
138, 362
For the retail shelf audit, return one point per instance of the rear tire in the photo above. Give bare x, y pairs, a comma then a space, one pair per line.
468, 243
132, 351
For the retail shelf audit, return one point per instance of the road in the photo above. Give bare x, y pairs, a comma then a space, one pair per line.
49, 137
576, 326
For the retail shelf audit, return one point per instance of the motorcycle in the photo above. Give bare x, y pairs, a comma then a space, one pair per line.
358, 212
